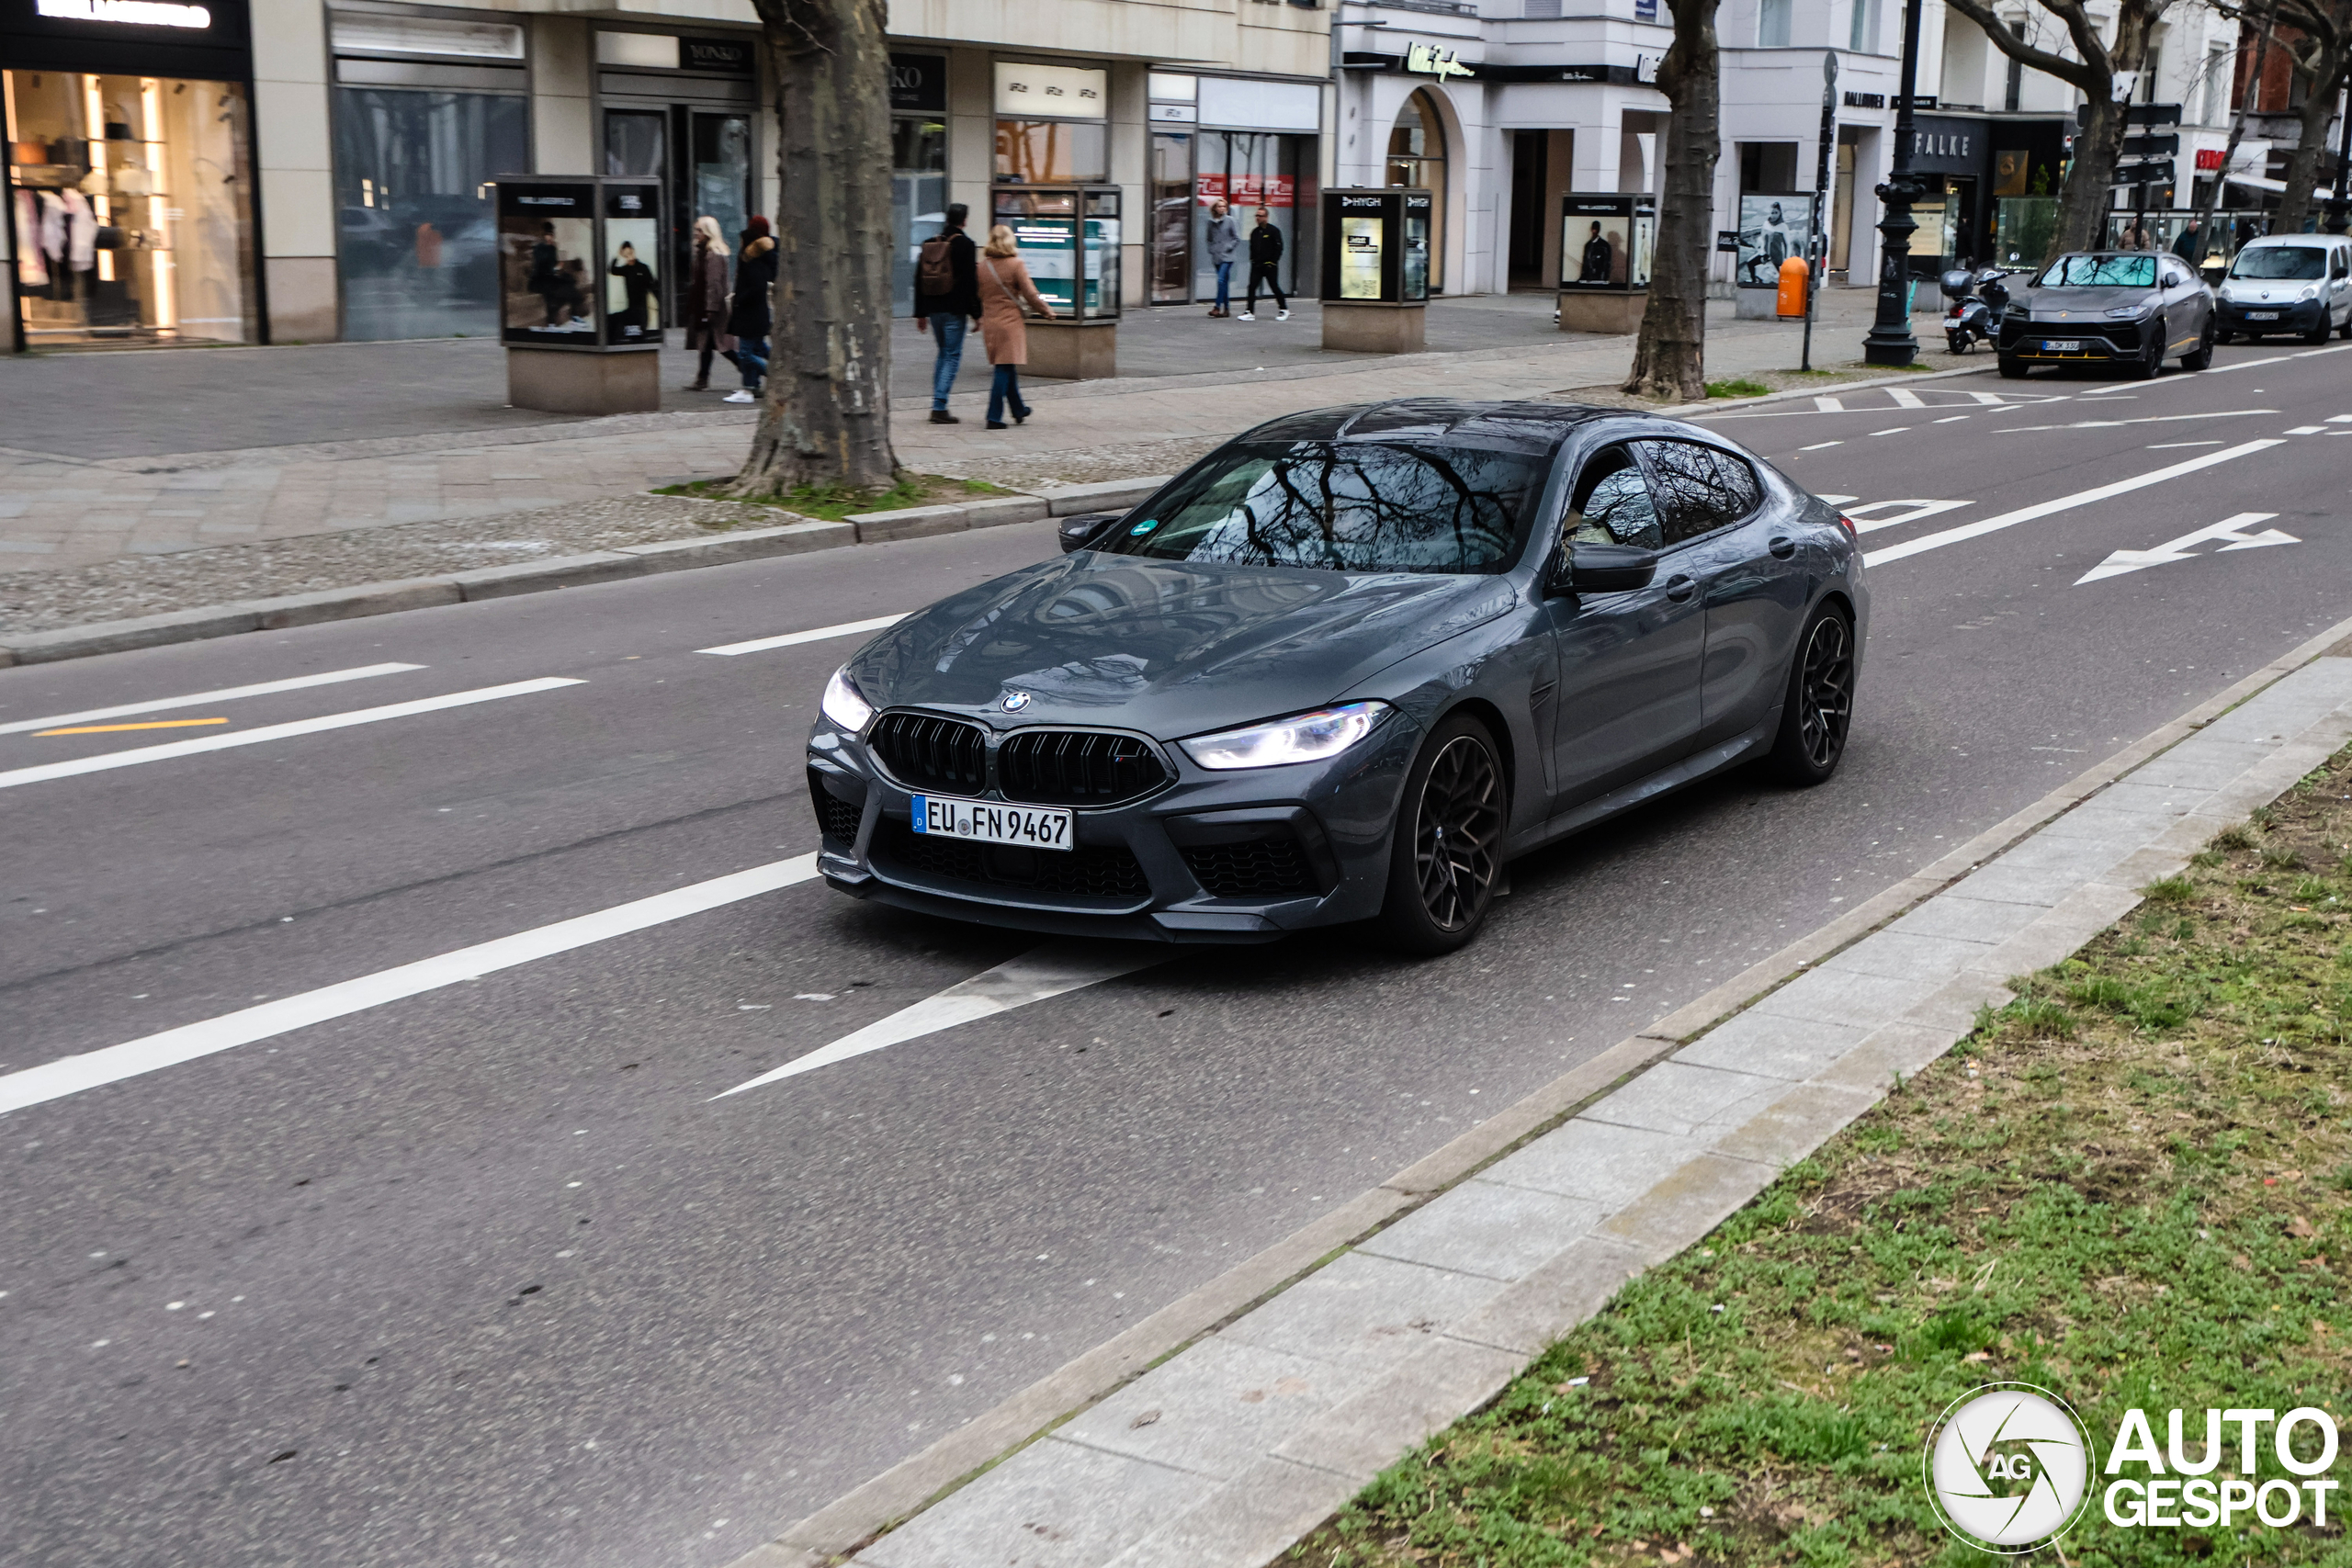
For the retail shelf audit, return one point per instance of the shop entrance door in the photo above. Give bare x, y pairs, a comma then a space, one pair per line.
704, 161
1172, 217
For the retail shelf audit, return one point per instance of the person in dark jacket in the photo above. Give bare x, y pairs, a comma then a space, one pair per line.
748, 319
706, 311
947, 301
1222, 240
1265, 263
638, 283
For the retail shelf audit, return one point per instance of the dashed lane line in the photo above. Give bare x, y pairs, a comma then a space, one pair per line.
789, 639
134, 1058
206, 699
45, 771
2065, 502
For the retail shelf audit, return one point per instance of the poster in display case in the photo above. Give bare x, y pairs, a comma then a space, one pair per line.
1607, 240
1772, 227
1360, 247
1069, 238
576, 263
1376, 245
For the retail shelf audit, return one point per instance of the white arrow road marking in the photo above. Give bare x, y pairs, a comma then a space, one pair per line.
2230, 528
2065, 502
1865, 523
823, 634
205, 699
71, 1075
137, 754
1042, 972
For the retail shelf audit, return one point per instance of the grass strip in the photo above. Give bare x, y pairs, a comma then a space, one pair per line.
2132, 1186
830, 503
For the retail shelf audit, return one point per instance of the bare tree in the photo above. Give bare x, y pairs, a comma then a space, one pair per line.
825, 417
1669, 357
2092, 68
2237, 129
2320, 58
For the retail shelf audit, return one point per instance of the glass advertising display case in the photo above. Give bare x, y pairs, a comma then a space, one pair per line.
1069, 238
1608, 241
576, 263
1376, 245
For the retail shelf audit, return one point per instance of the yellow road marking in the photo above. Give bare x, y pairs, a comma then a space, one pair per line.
110, 728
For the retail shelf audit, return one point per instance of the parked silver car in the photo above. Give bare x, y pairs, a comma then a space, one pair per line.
2132, 308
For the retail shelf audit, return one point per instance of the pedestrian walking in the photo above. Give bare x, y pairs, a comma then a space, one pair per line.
1265, 266
1224, 245
707, 300
947, 300
1005, 291
748, 317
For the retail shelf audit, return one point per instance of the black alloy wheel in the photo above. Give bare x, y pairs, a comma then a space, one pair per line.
1447, 854
2151, 362
2013, 368
2200, 356
1819, 706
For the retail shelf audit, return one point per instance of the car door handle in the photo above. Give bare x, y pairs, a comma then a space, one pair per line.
1680, 588
1782, 547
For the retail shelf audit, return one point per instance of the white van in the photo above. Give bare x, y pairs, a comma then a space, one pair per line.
2288, 284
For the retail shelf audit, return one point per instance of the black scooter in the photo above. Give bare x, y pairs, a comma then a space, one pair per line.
1977, 300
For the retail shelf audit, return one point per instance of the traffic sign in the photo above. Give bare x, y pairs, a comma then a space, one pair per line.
2136, 114
2141, 174
2151, 146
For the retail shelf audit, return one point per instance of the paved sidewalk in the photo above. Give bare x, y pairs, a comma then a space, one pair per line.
1223, 1455
58, 510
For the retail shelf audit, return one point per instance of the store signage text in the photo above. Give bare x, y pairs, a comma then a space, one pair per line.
1060, 92
1940, 144
128, 13
1428, 59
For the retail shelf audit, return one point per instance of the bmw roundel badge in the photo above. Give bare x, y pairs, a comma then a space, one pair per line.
1015, 701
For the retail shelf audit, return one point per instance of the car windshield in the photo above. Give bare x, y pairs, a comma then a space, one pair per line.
1345, 506
2099, 272
2287, 261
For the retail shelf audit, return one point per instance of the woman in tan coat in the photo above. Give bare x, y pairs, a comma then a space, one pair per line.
1005, 288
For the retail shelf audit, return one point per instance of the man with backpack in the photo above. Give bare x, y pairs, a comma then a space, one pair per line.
947, 300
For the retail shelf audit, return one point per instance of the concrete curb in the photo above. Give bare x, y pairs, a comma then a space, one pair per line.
1248, 1518
562, 571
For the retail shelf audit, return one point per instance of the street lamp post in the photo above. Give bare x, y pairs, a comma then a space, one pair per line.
1890, 341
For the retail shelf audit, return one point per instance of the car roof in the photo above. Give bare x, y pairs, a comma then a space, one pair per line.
1536, 429
2273, 239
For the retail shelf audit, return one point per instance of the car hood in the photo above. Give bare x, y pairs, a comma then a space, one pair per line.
1170, 648
2085, 304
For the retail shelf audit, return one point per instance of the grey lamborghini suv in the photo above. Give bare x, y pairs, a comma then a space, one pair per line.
1343, 669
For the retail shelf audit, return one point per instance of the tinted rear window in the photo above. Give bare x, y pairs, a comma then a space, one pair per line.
2288, 262
1345, 506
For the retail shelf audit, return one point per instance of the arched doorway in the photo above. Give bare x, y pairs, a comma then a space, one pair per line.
1417, 158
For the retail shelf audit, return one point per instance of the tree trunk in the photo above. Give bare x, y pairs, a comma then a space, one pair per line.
2084, 203
2323, 81
1669, 357
825, 416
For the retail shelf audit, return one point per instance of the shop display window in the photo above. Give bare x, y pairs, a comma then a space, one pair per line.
130, 209
415, 232
1051, 151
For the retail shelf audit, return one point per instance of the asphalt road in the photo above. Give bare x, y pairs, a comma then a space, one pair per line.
483, 1273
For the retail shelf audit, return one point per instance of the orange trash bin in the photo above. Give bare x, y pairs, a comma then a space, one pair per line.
1793, 278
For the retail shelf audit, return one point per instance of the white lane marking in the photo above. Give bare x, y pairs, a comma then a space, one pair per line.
1905, 399
2249, 363
1828, 405
1042, 972
1865, 523
107, 760
2339, 419
2230, 528
2308, 353
2063, 502
1952, 419
1892, 429
789, 639
1821, 446
112, 1063
2308, 430
2142, 419
202, 699
1836, 500
2175, 446
1990, 400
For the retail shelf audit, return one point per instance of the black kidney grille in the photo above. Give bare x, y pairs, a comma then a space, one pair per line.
1076, 767
1264, 868
837, 819
1090, 870
927, 752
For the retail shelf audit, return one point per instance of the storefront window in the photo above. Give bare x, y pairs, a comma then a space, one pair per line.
1051, 151
918, 198
1247, 170
416, 236
129, 200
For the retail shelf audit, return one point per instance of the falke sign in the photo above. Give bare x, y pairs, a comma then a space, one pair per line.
1942, 146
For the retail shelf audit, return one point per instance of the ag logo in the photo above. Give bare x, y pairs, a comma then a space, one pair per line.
2007, 1468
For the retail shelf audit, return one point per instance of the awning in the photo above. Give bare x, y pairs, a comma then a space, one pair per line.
2279, 187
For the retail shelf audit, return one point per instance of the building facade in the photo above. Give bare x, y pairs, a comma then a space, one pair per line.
246, 171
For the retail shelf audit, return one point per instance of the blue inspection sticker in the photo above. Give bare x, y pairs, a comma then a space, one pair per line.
1140, 529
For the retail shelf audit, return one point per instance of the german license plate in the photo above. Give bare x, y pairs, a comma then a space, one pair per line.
2062, 345
2262, 315
992, 824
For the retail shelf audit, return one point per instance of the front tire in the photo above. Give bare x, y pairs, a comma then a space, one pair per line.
2013, 368
2201, 356
2150, 364
1445, 854
1817, 708
2321, 332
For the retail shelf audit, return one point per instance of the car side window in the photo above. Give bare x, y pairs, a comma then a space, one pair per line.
1692, 495
1743, 492
1612, 504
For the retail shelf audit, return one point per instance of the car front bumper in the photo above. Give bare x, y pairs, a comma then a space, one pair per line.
2098, 341
1241, 856
2232, 316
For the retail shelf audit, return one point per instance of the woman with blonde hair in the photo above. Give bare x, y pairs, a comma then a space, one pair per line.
1005, 290
707, 299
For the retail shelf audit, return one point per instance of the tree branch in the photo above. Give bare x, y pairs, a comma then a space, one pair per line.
2009, 42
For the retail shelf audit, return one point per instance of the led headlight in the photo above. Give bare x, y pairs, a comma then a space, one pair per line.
1305, 737
844, 705
2125, 312
2308, 294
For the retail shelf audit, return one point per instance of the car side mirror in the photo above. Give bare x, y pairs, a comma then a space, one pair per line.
1082, 532
1602, 568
